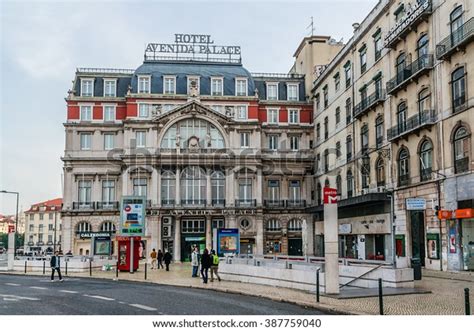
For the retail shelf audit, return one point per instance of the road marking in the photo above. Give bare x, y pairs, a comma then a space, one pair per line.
67, 291
10, 299
12, 284
99, 297
136, 305
17, 297
121, 302
38, 288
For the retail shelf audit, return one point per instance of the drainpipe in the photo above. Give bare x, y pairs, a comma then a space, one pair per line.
392, 227
438, 187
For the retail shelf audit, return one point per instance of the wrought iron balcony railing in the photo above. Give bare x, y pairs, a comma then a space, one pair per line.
404, 180
461, 165
413, 123
410, 72
369, 103
194, 202
109, 205
274, 203
87, 205
167, 202
426, 174
218, 202
245, 202
455, 40
296, 203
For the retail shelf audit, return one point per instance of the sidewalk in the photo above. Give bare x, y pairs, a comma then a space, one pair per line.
447, 297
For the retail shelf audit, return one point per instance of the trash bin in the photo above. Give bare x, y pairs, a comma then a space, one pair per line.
416, 265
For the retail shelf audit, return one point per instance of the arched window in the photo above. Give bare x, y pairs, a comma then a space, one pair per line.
380, 168
107, 227
339, 183
403, 167
461, 150
273, 225
168, 189
218, 188
193, 186
426, 160
83, 227
364, 138
458, 89
348, 148
424, 102
422, 49
456, 24
365, 171
402, 117
350, 183
400, 68
379, 131
348, 110
192, 133
295, 225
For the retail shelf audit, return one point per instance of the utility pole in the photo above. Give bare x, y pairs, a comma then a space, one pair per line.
55, 226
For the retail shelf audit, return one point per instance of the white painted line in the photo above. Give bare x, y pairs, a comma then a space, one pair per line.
99, 297
121, 302
136, 305
9, 299
38, 288
67, 291
17, 297
12, 284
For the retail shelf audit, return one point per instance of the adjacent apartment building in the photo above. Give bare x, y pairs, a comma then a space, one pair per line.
393, 114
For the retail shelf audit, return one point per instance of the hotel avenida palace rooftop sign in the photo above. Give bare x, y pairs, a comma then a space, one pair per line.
193, 47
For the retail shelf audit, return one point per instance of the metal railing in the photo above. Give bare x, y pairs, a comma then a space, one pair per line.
165, 202
427, 117
369, 102
459, 103
457, 38
461, 165
276, 75
245, 202
193, 202
105, 71
404, 180
218, 202
107, 205
425, 174
296, 203
83, 205
411, 71
274, 203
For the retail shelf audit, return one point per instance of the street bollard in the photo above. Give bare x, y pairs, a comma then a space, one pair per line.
380, 297
44, 267
467, 304
25, 266
66, 267
116, 270
145, 269
90, 268
317, 285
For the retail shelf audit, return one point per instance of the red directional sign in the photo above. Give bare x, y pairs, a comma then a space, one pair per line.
330, 195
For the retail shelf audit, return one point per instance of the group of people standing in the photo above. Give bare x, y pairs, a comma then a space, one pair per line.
207, 261
157, 259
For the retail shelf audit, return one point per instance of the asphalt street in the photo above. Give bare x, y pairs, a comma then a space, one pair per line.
33, 295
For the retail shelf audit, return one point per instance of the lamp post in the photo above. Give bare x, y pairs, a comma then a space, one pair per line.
16, 215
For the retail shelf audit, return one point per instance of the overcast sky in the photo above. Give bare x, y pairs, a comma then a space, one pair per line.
43, 42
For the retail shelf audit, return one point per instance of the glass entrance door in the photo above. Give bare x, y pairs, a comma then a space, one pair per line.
418, 235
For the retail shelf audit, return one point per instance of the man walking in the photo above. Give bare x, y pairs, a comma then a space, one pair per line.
167, 257
195, 261
153, 256
214, 266
205, 265
160, 259
55, 266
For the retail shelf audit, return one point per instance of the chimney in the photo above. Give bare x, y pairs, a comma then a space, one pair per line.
355, 26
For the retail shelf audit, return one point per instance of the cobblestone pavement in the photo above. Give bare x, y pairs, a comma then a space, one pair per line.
447, 297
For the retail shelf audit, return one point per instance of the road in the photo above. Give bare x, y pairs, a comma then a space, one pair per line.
33, 295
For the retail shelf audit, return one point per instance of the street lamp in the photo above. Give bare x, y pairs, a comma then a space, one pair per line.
16, 217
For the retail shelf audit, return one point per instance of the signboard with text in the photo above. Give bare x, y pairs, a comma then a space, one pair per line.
415, 204
228, 241
132, 215
330, 195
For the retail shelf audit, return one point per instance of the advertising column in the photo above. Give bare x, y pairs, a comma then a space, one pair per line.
331, 255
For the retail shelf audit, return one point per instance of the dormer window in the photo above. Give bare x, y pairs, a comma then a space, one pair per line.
217, 86
241, 87
144, 84
110, 88
193, 85
272, 91
87, 87
292, 92
169, 85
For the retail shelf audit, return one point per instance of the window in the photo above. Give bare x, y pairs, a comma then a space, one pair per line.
348, 110
347, 73
193, 186
338, 116
363, 95
109, 113
272, 91
107, 227
140, 138
50, 216
110, 87
245, 190
244, 139
169, 85
403, 167
326, 160
241, 87
144, 110
378, 46
380, 172
424, 102
317, 101
295, 191
217, 86
318, 162
40, 228
274, 190
109, 141
365, 172
218, 224
378, 87
83, 227
379, 131
293, 116
168, 191
318, 193
350, 184
50, 236
458, 89
461, 150
273, 142
85, 189
86, 113
193, 226
140, 186
399, 13
294, 143
426, 160
86, 139
193, 85
326, 127
108, 191
400, 68
273, 115
180, 134
363, 59
41, 217
402, 117
295, 225
32, 217
337, 82
456, 23
292, 92
422, 49
144, 84
325, 96
338, 149
273, 226
32, 227
339, 184
87, 87
364, 138
218, 187
242, 113
318, 132
349, 148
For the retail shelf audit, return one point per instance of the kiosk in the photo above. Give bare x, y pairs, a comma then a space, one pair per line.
125, 252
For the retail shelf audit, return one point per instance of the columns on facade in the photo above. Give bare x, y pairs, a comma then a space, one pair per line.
154, 186
259, 240
306, 189
125, 182
208, 188
259, 192
68, 183
158, 188
153, 232
177, 240
230, 187
208, 232
67, 234
308, 237
178, 187
284, 188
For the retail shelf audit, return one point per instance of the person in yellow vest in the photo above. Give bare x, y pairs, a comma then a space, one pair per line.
214, 266
153, 256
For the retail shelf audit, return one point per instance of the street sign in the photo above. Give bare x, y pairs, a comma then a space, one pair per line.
330, 195
132, 215
415, 204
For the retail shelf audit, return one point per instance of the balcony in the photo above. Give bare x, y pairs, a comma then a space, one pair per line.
459, 103
419, 12
456, 40
218, 202
83, 205
167, 203
412, 124
245, 202
274, 203
404, 180
107, 205
411, 72
369, 103
296, 203
426, 174
194, 202
461, 165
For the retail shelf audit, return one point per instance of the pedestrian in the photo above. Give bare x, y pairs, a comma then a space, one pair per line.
214, 266
153, 256
160, 259
205, 265
167, 257
195, 261
56, 266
